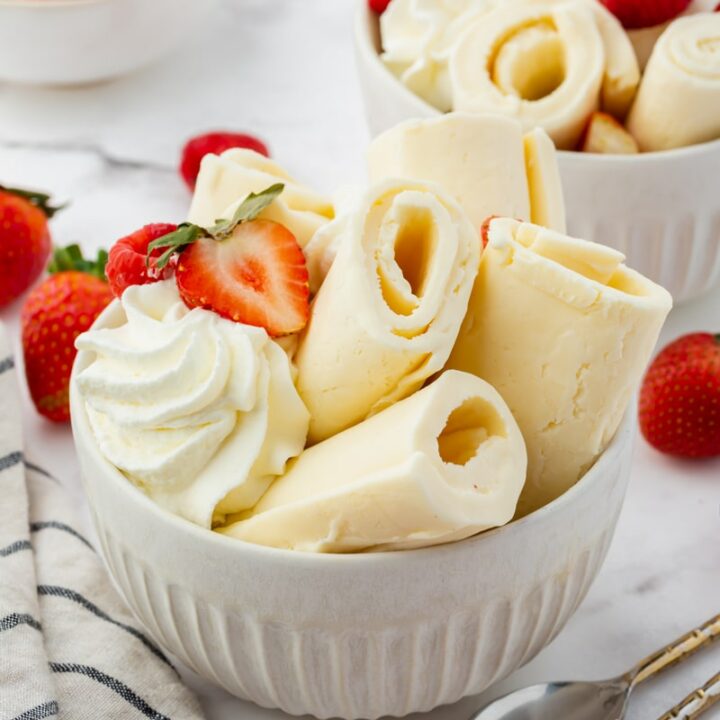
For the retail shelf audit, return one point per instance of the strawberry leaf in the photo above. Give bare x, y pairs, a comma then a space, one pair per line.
71, 258
248, 210
186, 234
40, 200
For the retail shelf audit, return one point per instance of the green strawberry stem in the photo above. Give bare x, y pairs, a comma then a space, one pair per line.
40, 200
187, 233
71, 258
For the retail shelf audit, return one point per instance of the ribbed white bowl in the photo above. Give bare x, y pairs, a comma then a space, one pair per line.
61, 42
661, 209
352, 636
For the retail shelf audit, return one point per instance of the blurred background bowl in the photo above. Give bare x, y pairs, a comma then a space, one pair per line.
661, 209
351, 636
70, 42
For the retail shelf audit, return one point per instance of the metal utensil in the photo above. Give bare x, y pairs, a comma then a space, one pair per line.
603, 700
697, 702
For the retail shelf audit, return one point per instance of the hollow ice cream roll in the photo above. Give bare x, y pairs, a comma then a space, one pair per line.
563, 330
547, 63
678, 102
417, 37
483, 161
389, 310
441, 465
198, 411
224, 181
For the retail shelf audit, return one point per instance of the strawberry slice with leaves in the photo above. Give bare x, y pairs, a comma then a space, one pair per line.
246, 269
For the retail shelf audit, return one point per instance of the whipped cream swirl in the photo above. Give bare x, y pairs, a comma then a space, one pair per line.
198, 411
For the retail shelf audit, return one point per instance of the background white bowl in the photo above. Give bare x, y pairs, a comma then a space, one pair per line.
662, 210
352, 636
62, 42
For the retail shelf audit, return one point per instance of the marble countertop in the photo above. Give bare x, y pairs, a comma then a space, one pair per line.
284, 70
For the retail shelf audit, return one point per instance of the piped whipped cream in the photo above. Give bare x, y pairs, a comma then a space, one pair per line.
198, 411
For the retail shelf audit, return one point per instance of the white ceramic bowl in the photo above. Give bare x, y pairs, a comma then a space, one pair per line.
662, 210
66, 42
351, 636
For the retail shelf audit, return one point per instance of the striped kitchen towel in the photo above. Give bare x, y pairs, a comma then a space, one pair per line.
69, 647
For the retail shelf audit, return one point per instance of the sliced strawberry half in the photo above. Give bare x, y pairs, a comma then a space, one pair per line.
606, 136
256, 276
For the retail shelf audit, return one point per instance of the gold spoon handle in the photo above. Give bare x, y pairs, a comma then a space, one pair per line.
697, 702
676, 652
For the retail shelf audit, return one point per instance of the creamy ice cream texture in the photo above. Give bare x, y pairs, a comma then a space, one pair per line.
224, 181
441, 465
198, 411
485, 162
388, 313
418, 36
563, 330
548, 63
678, 103
644, 39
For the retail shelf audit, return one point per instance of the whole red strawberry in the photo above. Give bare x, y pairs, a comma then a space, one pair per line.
378, 6
634, 14
128, 262
56, 311
24, 240
214, 143
680, 398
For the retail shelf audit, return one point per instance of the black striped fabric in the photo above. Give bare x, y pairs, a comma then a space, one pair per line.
55, 525
40, 471
17, 546
67, 594
139, 692
7, 363
39, 712
10, 460
14, 619
113, 683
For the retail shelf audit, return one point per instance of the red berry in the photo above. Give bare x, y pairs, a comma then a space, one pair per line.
635, 14
64, 305
24, 241
378, 6
485, 229
214, 143
680, 398
127, 259
256, 276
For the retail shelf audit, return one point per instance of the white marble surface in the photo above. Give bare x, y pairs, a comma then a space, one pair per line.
284, 69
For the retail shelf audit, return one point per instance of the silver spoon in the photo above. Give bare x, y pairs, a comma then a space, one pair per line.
603, 700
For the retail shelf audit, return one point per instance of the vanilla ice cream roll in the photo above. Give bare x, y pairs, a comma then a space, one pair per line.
563, 330
198, 411
549, 64
417, 37
441, 465
389, 310
224, 181
678, 103
644, 39
483, 161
